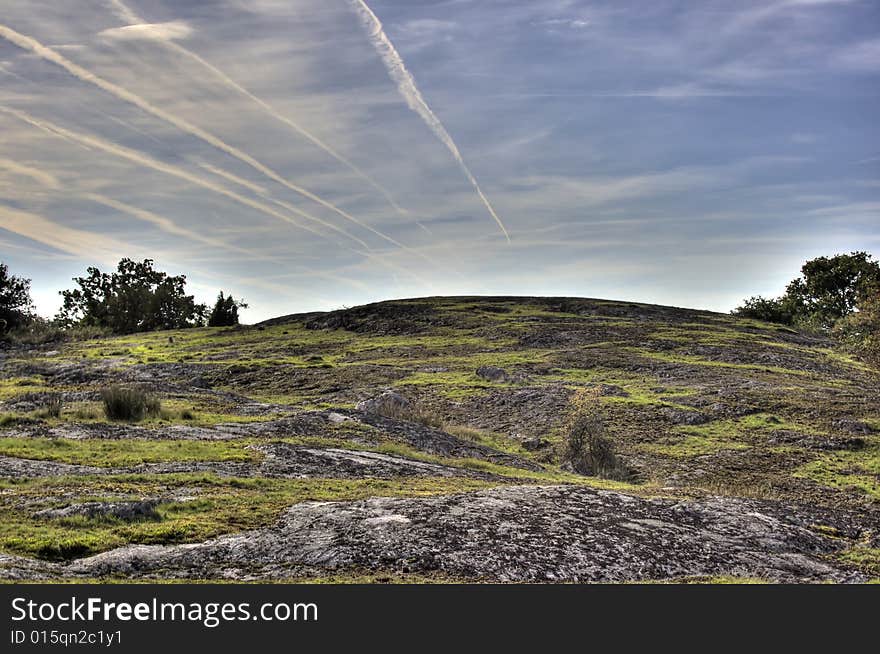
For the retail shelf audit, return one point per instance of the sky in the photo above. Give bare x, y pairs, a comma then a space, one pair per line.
314, 154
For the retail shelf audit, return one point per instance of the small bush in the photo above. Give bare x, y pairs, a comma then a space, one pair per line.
131, 404
586, 448
51, 408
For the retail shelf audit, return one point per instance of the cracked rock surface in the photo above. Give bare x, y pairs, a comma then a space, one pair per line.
510, 534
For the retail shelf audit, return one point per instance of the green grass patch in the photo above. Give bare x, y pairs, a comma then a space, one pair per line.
866, 559
453, 385
850, 470
12, 387
692, 446
125, 452
220, 506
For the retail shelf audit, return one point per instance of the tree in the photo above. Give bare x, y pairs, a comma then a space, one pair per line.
828, 290
225, 311
831, 287
16, 306
134, 298
861, 330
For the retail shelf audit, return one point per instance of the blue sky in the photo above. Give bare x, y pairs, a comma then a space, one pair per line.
306, 156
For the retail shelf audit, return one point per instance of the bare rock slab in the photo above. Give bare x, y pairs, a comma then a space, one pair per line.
514, 533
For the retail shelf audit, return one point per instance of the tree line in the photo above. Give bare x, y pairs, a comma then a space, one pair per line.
136, 297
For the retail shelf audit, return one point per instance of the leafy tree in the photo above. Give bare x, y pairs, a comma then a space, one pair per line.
16, 306
134, 298
225, 311
861, 329
829, 289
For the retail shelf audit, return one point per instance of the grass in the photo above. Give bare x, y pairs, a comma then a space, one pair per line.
497, 441
692, 446
689, 359
220, 506
13, 387
857, 471
866, 559
731, 434
125, 452
195, 413
452, 385
318, 369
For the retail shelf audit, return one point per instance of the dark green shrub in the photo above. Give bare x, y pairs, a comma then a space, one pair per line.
225, 311
130, 404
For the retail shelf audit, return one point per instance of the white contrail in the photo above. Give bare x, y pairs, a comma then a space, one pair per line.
406, 85
168, 226
165, 224
94, 142
127, 15
235, 179
67, 239
52, 56
41, 176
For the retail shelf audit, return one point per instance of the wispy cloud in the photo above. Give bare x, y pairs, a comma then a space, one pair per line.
174, 30
61, 237
37, 48
633, 149
23, 170
170, 227
150, 162
860, 57
126, 14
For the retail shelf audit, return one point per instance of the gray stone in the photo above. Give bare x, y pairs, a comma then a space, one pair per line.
852, 426
388, 403
493, 374
534, 444
512, 534
680, 417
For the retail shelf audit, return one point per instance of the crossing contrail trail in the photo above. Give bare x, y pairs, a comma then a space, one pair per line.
235, 179
129, 16
94, 142
169, 226
66, 239
406, 85
48, 54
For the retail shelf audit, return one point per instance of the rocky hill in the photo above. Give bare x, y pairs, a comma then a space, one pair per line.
419, 440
